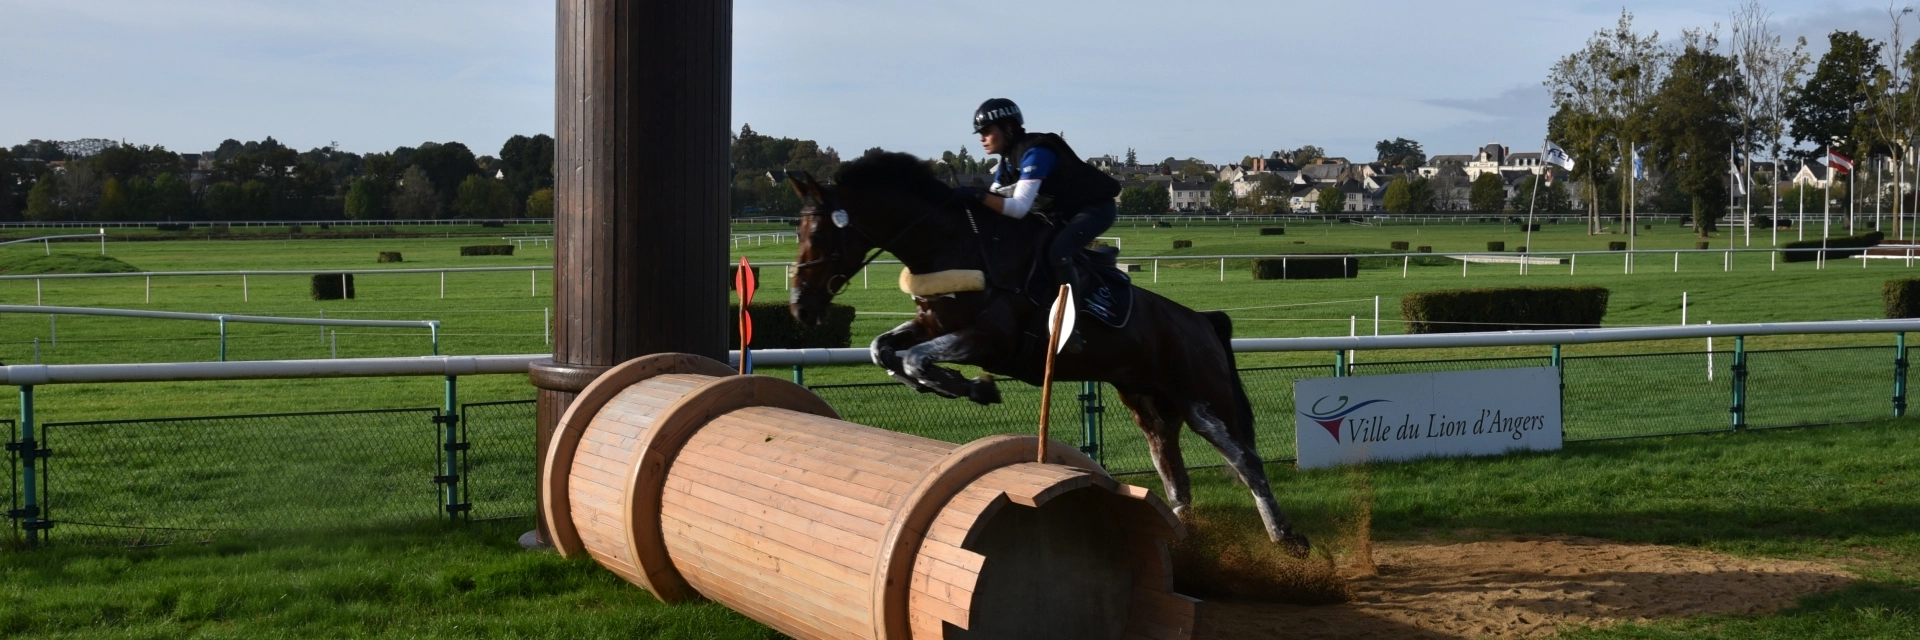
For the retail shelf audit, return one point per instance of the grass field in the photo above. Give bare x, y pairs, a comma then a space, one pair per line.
1838, 493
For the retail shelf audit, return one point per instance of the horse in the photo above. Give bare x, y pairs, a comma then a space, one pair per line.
982, 294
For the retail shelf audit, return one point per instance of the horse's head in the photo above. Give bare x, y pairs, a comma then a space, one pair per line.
830, 252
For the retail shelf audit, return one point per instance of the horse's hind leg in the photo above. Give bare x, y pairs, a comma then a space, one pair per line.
1245, 462
1162, 429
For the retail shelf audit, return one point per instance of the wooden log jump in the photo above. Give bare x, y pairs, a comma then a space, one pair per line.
688, 480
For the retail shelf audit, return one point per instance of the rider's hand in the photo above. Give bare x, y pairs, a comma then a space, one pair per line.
968, 194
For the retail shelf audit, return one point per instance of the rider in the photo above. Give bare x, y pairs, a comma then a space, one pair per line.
1038, 172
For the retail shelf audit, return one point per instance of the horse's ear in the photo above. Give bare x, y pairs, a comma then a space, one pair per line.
804, 186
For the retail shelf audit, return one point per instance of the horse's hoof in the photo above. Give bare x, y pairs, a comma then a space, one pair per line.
1295, 545
984, 391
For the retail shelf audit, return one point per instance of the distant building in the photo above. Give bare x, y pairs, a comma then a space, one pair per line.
1189, 196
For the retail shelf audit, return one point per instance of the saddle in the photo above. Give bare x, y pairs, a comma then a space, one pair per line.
1107, 291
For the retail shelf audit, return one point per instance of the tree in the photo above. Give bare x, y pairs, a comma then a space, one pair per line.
1331, 199
170, 199
528, 164
113, 202
79, 190
13, 185
1399, 196
1600, 95
1133, 159
1400, 152
366, 200
417, 199
445, 165
1695, 124
1221, 198
1488, 193
1769, 70
483, 198
1551, 197
1141, 200
1306, 154
40, 201
1829, 105
540, 204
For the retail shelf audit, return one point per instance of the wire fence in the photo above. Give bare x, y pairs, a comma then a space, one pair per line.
171, 480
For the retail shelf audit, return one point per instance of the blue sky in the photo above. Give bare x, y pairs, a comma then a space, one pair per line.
1213, 79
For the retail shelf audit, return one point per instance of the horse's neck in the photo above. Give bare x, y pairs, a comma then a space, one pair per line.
942, 241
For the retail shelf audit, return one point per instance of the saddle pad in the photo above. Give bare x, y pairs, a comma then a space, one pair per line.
1109, 298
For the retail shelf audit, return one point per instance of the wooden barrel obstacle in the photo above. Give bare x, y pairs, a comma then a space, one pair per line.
748, 490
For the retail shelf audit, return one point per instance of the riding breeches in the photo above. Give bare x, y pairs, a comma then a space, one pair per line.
1078, 231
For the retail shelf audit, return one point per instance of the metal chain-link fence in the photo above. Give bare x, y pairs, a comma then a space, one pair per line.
156, 481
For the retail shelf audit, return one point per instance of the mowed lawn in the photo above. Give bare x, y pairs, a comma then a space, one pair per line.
1842, 494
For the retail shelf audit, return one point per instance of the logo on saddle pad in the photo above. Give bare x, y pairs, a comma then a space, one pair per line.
1330, 419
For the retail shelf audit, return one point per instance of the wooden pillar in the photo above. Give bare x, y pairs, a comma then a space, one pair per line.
642, 108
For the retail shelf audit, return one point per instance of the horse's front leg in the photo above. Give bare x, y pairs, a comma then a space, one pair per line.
921, 362
885, 351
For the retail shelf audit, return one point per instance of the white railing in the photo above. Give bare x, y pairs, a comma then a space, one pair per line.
46, 242
38, 374
53, 326
207, 224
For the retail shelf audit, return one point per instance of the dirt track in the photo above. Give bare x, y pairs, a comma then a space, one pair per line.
1527, 587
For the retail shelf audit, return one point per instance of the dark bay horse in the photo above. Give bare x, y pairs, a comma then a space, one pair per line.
973, 275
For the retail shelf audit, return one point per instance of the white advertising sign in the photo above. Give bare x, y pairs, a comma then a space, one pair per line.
1422, 415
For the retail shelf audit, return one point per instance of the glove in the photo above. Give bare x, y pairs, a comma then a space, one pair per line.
968, 194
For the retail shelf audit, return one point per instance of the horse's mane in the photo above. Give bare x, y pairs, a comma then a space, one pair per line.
893, 171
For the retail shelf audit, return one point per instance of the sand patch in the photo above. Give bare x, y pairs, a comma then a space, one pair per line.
1527, 587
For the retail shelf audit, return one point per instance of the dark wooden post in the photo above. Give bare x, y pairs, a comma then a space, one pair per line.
642, 108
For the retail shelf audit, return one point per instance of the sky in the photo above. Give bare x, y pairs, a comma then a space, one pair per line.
1212, 79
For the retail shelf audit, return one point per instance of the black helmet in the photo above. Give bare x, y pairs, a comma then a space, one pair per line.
996, 110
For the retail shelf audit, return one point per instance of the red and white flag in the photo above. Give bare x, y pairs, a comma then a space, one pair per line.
1839, 162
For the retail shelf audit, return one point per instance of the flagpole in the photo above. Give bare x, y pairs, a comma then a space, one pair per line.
1853, 199
1633, 201
1530, 201
1826, 209
1747, 200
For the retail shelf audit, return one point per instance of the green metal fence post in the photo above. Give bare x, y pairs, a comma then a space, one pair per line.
1900, 374
1556, 356
1340, 364
452, 451
800, 375
1090, 411
28, 450
1739, 408
223, 339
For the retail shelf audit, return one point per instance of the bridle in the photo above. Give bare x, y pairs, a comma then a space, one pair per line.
830, 208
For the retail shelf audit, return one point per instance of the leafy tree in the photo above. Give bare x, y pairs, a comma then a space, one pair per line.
1488, 193
42, 150
483, 197
1145, 200
1694, 126
13, 185
1829, 105
540, 204
1331, 199
528, 164
113, 202
251, 200
1133, 159
1306, 154
366, 199
40, 201
1600, 95
1552, 197
126, 162
1221, 197
446, 165
1268, 197
1408, 195
79, 189
417, 199
170, 198
1400, 152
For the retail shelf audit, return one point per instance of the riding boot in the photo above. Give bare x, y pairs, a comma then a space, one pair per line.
1064, 272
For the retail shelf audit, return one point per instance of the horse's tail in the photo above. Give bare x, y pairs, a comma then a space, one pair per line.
1243, 408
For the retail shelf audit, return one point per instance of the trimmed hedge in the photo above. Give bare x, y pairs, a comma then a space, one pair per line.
1423, 249
487, 250
775, 328
1496, 245
1398, 245
170, 227
1902, 298
1183, 244
1836, 247
1273, 231
1162, 224
1616, 246
1520, 249
1305, 268
1504, 309
389, 256
1702, 244
332, 286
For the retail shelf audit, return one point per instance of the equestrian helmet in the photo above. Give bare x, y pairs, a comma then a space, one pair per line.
996, 110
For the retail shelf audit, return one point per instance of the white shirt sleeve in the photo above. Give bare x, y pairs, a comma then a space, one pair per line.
1017, 205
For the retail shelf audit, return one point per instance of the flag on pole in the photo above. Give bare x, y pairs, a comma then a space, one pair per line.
1639, 167
1733, 169
1839, 162
1555, 155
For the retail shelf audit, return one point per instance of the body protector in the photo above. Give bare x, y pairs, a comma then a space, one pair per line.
1072, 183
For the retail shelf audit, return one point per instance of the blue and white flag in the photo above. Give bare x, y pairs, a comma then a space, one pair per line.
1639, 167
1739, 185
1555, 155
